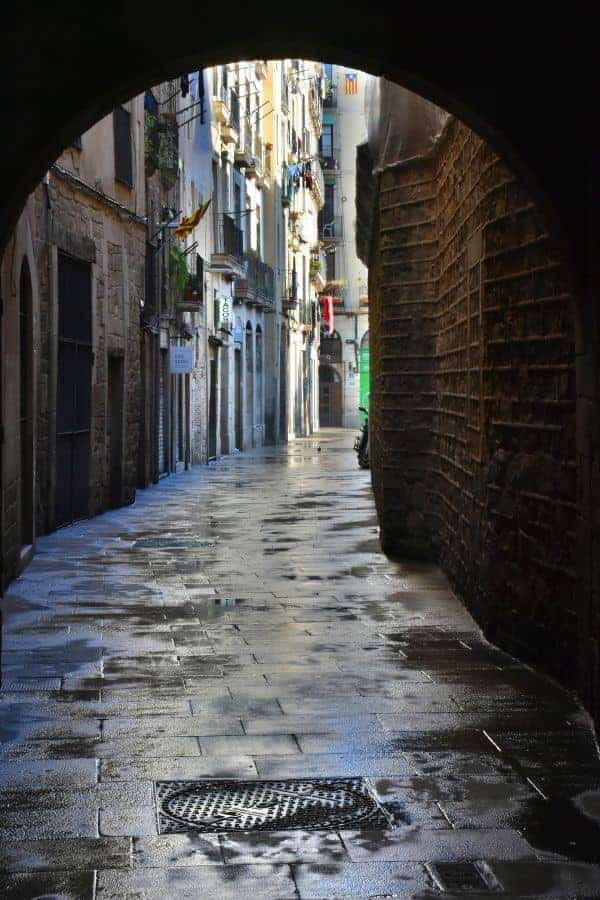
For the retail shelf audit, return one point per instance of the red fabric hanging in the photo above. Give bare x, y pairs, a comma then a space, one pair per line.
327, 311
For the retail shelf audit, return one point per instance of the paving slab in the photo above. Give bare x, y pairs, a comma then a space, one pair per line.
239, 621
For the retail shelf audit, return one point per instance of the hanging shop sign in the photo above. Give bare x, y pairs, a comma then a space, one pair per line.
181, 360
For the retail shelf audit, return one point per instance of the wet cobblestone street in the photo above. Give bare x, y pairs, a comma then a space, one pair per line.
240, 622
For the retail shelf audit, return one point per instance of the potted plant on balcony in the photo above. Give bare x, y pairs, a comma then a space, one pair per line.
192, 290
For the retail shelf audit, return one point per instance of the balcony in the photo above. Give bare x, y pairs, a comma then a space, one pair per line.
317, 184
287, 190
255, 168
228, 258
330, 228
291, 301
330, 100
257, 286
285, 94
243, 154
330, 160
263, 179
220, 107
315, 107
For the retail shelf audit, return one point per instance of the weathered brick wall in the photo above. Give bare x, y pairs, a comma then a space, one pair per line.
403, 357
474, 394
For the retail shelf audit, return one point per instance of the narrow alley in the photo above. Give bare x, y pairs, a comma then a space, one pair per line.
240, 622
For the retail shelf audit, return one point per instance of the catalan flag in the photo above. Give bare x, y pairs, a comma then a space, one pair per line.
351, 83
188, 223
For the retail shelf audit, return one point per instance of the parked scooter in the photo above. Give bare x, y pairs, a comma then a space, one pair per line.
361, 444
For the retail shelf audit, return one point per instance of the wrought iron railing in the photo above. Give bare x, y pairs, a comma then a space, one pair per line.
330, 99
330, 226
330, 158
258, 281
230, 238
234, 106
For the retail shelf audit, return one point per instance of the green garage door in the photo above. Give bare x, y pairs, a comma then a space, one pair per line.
364, 373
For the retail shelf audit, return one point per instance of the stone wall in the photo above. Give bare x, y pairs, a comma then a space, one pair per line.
473, 394
69, 220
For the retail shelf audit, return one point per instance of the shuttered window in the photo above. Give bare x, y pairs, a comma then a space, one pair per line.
123, 154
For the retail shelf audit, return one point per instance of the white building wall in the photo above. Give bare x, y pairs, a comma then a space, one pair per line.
351, 320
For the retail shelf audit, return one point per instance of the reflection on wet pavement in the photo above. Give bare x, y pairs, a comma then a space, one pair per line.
239, 621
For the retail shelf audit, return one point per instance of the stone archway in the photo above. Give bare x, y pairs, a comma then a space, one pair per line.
555, 164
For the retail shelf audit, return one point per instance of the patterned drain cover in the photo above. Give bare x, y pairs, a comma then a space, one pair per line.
312, 803
464, 878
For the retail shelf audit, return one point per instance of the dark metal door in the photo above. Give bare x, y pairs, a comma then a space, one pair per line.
238, 400
163, 413
74, 390
212, 411
115, 429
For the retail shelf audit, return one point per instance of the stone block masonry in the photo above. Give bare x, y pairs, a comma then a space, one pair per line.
70, 221
473, 394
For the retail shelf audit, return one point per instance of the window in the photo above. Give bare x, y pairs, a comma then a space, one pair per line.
328, 67
326, 141
123, 154
330, 265
76, 142
328, 206
258, 241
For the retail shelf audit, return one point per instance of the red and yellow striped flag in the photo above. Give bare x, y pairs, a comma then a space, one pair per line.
351, 83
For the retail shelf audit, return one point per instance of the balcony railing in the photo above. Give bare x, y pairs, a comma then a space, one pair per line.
330, 99
257, 287
315, 106
268, 160
244, 151
330, 159
228, 256
330, 228
318, 182
234, 106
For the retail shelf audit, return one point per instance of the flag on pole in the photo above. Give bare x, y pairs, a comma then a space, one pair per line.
351, 83
188, 223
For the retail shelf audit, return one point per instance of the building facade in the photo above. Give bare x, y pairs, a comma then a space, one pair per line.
344, 356
161, 294
72, 284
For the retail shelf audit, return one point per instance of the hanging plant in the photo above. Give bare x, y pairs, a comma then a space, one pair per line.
151, 139
178, 269
168, 150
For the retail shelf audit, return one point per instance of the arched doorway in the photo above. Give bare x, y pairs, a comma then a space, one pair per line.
330, 397
331, 380
26, 408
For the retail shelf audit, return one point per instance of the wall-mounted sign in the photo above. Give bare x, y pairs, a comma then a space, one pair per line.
223, 312
181, 360
238, 331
